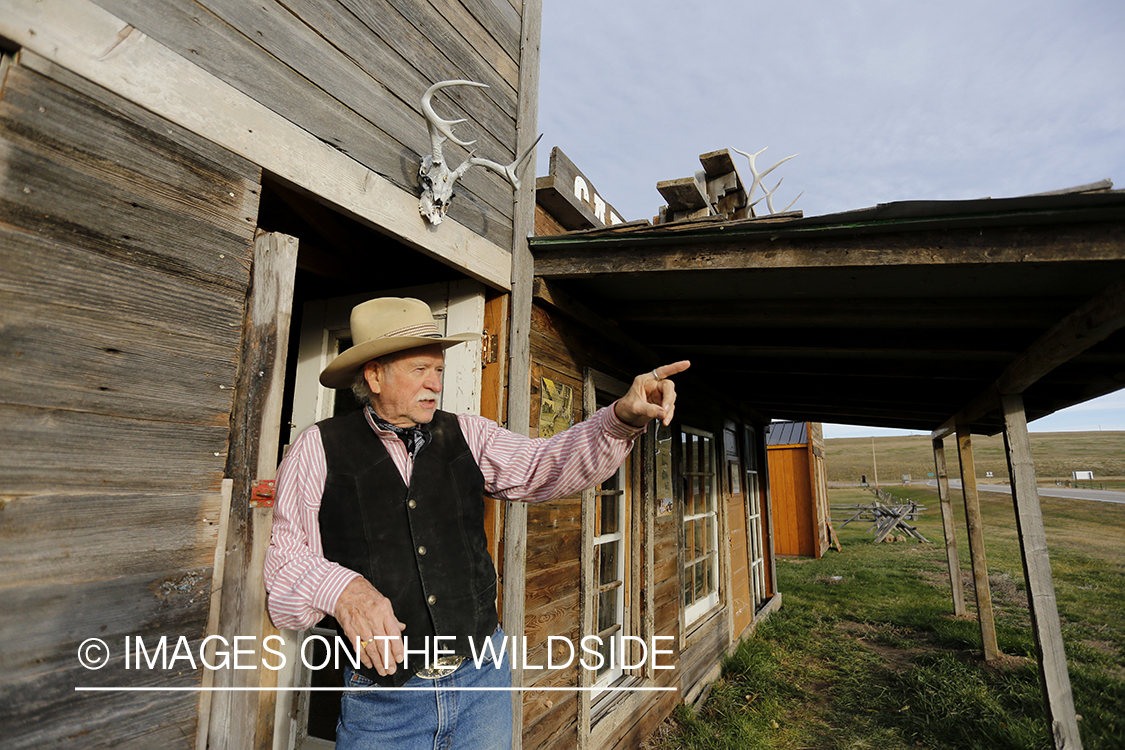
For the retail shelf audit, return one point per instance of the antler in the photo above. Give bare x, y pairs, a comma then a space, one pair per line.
437, 179
511, 171
758, 176
441, 129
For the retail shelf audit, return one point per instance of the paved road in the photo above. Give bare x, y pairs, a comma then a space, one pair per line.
1101, 496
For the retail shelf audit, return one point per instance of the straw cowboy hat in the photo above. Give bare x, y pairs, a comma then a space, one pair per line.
384, 326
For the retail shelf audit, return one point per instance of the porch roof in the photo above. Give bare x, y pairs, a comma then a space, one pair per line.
913, 314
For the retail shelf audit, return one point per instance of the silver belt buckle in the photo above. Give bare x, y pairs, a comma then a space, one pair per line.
445, 665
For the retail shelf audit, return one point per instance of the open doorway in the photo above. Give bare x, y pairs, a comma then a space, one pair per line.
341, 263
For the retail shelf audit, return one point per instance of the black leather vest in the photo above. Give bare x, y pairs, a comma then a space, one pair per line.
422, 546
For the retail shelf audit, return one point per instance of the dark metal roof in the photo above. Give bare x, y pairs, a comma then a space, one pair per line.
787, 433
901, 315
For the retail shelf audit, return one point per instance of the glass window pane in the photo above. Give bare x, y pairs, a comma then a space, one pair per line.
609, 504
607, 609
700, 579
606, 560
603, 649
688, 584
701, 526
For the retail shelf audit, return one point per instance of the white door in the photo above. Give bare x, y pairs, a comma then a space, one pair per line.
458, 307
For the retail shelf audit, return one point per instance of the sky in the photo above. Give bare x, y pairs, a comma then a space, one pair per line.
881, 101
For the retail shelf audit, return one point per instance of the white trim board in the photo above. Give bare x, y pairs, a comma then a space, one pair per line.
97, 45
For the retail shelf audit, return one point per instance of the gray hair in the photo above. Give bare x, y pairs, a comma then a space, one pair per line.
360, 389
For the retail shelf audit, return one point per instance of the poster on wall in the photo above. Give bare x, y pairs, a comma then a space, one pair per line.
556, 407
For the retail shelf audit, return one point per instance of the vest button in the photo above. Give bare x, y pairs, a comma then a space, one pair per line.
432, 599
412, 505
421, 550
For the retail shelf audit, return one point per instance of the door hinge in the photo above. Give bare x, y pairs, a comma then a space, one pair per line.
262, 493
490, 349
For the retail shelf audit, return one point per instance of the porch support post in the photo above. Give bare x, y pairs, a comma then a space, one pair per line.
519, 350
976, 544
1037, 574
952, 558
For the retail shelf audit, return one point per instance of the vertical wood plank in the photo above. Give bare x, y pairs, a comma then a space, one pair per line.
587, 584
947, 526
976, 545
1053, 674
205, 697
240, 720
818, 534
519, 378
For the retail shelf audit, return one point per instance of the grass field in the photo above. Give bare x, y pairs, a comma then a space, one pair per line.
1056, 454
866, 653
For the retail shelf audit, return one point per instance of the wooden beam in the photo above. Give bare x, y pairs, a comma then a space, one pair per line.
97, 45
682, 194
205, 696
563, 206
559, 300
947, 526
519, 349
1090, 324
245, 719
587, 582
848, 313
717, 163
976, 547
769, 245
1049, 648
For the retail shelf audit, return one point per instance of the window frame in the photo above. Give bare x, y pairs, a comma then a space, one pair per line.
700, 605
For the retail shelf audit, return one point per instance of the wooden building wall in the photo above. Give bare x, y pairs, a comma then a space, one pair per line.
554, 571
563, 348
352, 73
127, 243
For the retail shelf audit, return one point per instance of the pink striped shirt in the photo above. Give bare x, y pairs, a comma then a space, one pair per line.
303, 586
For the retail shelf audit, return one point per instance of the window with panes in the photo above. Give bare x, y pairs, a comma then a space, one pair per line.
700, 554
611, 558
755, 520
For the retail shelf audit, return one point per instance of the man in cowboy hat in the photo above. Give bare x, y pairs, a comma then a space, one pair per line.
379, 522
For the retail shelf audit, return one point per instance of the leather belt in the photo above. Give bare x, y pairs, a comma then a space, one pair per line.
445, 665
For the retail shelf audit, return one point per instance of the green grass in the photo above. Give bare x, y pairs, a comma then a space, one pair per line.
875, 658
1056, 454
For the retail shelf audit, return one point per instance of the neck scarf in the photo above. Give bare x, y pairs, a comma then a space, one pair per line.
414, 438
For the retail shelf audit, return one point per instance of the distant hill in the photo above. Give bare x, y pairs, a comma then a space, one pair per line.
1057, 454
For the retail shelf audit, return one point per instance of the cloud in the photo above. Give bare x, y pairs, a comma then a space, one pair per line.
884, 100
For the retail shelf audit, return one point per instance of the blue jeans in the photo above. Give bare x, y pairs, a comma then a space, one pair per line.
431, 719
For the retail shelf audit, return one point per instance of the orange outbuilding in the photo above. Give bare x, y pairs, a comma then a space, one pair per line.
798, 488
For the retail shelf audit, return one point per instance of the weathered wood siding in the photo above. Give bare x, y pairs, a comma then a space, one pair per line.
352, 73
125, 245
561, 352
554, 563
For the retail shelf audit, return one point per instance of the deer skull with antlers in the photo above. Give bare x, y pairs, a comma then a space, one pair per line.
437, 178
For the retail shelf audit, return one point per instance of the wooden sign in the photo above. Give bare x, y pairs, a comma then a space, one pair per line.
570, 197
